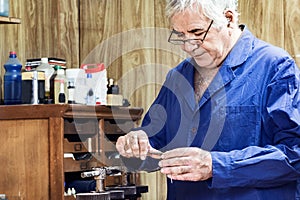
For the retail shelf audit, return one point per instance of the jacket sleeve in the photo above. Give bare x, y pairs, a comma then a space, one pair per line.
154, 126
277, 162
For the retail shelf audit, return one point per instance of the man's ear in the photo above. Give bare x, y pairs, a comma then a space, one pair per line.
230, 16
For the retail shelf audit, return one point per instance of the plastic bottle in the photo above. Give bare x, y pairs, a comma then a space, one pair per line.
71, 92
56, 67
12, 80
113, 96
45, 67
62, 95
112, 88
35, 94
59, 87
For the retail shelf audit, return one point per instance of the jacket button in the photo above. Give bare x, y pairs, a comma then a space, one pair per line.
194, 130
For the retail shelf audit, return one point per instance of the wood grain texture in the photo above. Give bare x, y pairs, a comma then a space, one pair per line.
275, 21
67, 35
264, 18
40, 19
25, 166
56, 153
137, 52
292, 28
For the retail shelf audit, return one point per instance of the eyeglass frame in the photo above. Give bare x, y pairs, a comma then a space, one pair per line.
182, 42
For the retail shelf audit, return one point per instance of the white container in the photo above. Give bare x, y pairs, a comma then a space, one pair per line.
45, 67
4, 8
60, 87
96, 84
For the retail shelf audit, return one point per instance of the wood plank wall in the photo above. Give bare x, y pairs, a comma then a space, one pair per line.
275, 21
129, 36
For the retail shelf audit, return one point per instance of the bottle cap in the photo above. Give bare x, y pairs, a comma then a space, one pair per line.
57, 67
110, 82
44, 60
12, 54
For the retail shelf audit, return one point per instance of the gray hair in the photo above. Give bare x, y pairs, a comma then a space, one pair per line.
212, 9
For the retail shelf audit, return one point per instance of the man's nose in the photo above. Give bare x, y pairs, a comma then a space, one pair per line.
188, 47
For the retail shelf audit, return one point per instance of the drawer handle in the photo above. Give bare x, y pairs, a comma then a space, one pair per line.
77, 147
83, 165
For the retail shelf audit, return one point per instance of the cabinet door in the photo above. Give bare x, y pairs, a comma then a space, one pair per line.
24, 159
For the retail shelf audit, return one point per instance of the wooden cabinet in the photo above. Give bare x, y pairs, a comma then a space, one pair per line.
34, 139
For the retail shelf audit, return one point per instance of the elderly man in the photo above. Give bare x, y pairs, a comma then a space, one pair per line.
226, 119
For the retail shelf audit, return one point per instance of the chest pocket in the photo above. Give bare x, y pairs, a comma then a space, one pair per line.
241, 127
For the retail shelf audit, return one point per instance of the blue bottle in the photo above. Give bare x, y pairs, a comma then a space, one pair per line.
12, 80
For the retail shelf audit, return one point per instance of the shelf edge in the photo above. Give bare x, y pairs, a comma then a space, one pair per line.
10, 20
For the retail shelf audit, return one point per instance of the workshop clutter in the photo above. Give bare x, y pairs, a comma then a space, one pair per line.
49, 81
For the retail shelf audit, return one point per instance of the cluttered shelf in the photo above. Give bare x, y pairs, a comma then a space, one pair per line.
9, 20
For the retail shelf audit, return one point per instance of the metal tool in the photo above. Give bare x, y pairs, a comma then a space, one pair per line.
99, 175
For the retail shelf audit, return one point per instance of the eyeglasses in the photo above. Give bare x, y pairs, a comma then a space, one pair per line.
174, 38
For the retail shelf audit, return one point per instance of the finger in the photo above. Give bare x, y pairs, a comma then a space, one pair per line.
134, 144
178, 152
123, 148
178, 161
185, 177
143, 146
176, 170
120, 145
156, 154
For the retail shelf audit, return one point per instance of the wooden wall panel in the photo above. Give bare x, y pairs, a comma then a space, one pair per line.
275, 21
66, 38
292, 28
38, 28
137, 59
264, 19
96, 18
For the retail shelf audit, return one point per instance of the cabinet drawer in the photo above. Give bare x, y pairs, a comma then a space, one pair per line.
80, 129
71, 165
75, 147
81, 126
120, 127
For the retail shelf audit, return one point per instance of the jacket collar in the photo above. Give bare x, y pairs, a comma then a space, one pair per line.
241, 50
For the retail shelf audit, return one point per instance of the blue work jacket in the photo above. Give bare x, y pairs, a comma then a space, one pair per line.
249, 119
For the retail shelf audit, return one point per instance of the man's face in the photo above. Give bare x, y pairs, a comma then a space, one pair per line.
194, 25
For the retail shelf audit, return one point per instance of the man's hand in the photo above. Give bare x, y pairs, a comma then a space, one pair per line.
136, 144
188, 164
